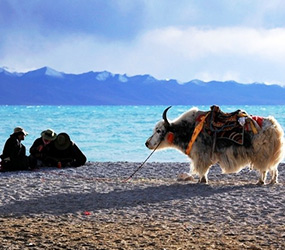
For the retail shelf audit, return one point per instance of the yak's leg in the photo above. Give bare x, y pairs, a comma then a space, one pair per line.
262, 178
201, 167
204, 179
203, 176
274, 176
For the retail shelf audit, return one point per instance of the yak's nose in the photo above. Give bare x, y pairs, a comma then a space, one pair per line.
146, 144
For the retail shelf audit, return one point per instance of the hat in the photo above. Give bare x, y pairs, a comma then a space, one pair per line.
62, 141
48, 134
20, 130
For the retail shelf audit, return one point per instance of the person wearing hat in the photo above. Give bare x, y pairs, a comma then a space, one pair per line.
41, 147
66, 153
14, 152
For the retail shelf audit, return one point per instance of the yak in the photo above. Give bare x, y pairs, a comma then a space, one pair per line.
231, 140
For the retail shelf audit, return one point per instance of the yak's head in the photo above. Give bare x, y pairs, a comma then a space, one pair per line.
160, 133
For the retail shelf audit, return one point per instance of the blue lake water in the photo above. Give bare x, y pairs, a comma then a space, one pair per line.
107, 133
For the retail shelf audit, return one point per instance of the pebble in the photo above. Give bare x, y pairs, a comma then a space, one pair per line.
229, 206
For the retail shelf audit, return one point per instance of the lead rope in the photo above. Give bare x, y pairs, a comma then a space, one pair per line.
127, 179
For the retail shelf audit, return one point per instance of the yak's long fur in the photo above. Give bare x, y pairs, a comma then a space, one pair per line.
262, 151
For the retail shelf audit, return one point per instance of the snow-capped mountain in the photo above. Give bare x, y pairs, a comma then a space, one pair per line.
46, 86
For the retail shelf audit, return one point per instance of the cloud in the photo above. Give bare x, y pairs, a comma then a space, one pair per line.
195, 43
108, 19
225, 40
233, 53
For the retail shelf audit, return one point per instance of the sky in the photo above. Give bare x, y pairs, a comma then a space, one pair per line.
240, 40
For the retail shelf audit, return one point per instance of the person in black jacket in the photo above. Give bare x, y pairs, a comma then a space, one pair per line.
14, 152
65, 152
40, 150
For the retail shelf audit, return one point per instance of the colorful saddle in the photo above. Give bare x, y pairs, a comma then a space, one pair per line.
225, 126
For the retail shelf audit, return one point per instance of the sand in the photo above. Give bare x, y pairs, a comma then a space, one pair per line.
91, 207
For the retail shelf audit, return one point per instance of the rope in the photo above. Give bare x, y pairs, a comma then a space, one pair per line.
127, 179
103, 179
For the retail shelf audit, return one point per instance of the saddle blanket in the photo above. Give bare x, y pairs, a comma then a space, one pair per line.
230, 126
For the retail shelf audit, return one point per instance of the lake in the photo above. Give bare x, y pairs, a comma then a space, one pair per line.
108, 133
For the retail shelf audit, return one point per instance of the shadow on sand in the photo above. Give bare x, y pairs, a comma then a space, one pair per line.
59, 204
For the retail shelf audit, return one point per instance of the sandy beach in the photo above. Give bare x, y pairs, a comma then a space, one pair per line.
91, 207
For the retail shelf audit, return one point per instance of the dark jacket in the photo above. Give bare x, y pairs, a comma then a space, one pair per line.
15, 151
70, 157
39, 150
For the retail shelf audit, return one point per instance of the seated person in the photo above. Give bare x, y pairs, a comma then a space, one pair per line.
41, 148
65, 152
14, 152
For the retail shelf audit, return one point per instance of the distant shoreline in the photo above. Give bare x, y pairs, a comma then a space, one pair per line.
105, 88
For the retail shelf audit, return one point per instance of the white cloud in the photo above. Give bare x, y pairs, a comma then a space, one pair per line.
238, 53
196, 43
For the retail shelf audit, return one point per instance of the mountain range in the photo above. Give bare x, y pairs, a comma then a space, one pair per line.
46, 86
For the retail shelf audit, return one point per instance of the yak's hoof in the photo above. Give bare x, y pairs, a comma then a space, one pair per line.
273, 182
260, 183
203, 180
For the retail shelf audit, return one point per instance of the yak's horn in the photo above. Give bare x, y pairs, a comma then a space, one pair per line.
165, 117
